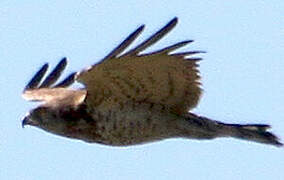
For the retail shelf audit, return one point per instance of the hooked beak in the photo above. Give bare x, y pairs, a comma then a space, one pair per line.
25, 121
28, 121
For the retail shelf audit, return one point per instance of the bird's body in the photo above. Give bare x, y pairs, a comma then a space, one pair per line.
131, 98
133, 124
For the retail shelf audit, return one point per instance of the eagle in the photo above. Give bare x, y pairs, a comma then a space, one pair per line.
131, 98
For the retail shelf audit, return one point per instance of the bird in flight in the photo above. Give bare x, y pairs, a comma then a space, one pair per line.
131, 98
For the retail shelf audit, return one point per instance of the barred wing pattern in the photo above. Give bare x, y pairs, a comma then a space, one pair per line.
161, 77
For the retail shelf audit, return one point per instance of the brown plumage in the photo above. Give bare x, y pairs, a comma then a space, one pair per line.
131, 98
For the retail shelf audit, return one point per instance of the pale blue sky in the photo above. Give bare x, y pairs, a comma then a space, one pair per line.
242, 79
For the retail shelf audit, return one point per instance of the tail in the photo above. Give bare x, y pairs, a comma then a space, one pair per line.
251, 132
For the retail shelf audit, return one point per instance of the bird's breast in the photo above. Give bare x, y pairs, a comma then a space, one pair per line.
126, 126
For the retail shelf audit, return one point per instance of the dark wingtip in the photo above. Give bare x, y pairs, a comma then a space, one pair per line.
62, 62
122, 46
141, 28
64, 59
34, 82
153, 39
188, 53
172, 23
67, 81
194, 59
174, 20
55, 74
202, 52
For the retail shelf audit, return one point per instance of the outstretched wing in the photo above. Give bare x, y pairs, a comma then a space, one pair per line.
161, 77
51, 94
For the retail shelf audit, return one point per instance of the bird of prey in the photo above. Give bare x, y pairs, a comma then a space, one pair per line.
131, 98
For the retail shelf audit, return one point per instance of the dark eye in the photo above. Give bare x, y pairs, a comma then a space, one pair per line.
41, 110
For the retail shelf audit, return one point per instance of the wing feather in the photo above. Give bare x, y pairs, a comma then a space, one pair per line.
34, 82
67, 81
58, 95
161, 78
55, 74
153, 39
170, 48
187, 53
124, 44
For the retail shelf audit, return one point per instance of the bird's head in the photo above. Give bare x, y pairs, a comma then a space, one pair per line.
46, 118
58, 106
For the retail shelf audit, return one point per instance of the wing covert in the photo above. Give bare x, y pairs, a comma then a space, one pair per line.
161, 77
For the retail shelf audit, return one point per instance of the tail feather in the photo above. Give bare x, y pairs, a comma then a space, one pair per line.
254, 132
251, 132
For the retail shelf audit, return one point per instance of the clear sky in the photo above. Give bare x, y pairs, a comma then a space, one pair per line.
242, 72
